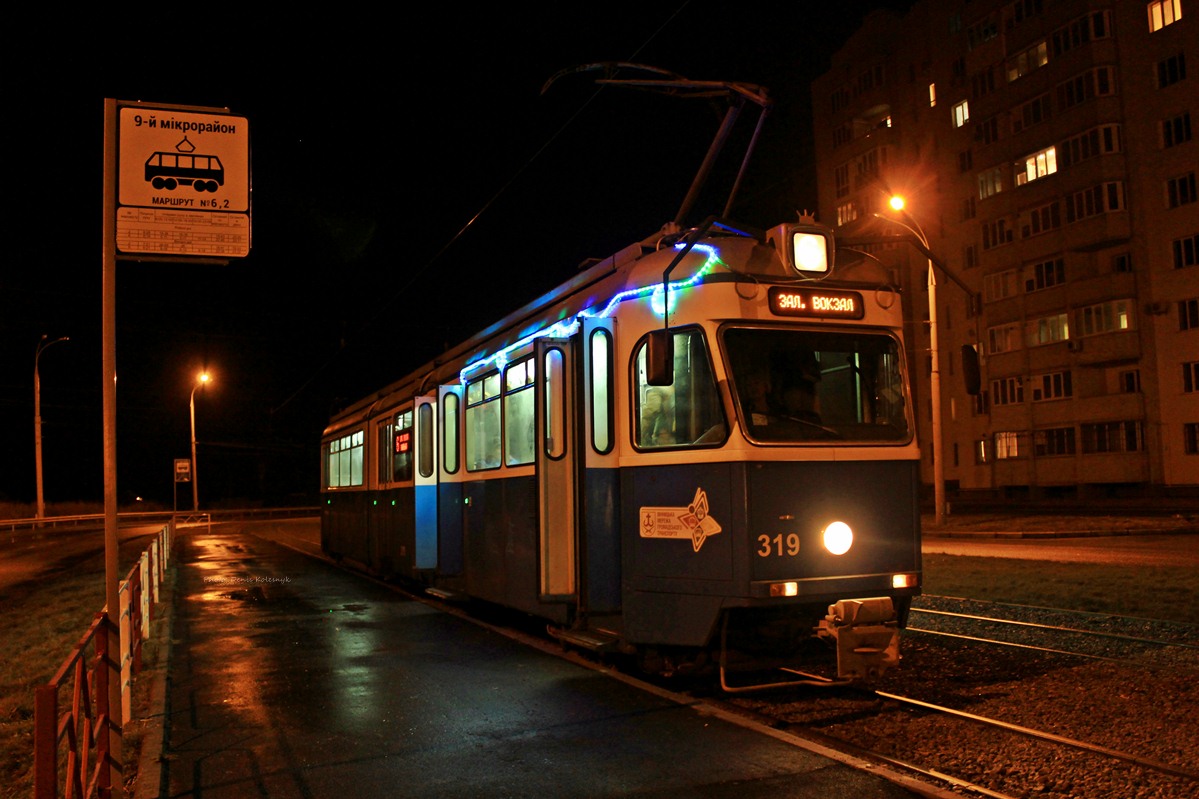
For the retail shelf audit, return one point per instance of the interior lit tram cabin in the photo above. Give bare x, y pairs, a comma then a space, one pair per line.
655, 447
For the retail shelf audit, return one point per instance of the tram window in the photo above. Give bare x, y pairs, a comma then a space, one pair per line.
425, 431
401, 448
383, 437
555, 404
686, 413
800, 385
449, 433
483, 423
344, 460
601, 391
518, 413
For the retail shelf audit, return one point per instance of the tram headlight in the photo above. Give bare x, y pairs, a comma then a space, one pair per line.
838, 538
810, 252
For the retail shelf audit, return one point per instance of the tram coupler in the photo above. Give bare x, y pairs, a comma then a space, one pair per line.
866, 632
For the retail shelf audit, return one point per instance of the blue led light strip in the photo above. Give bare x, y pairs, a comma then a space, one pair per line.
569, 327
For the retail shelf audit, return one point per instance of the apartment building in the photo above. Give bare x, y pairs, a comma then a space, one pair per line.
1046, 151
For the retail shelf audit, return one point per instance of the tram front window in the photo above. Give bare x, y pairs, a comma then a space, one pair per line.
686, 413
802, 385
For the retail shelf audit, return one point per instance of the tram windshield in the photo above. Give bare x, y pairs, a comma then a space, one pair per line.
688, 412
804, 385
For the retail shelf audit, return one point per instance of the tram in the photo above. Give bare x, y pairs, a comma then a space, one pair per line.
699, 452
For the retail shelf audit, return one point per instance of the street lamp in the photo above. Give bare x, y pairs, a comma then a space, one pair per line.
37, 419
897, 204
201, 379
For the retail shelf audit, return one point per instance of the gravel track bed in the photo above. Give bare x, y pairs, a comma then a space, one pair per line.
1165, 644
1148, 713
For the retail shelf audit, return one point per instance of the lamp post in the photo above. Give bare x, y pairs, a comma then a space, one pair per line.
37, 419
201, 379
934, 383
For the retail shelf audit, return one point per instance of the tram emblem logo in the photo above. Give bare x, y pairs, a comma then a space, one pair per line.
691, 522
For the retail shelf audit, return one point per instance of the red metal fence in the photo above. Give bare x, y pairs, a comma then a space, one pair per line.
71, 747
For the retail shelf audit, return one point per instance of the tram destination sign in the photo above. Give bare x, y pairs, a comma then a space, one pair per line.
813, 302
183, 182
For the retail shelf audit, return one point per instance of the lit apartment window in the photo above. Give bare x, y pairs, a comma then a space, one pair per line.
961, 114
1036, 165
1163, 13
1104, 317
1025, 62
1186, 251
1011, 444
1047, 330
932, 95
846, 213
1181, 190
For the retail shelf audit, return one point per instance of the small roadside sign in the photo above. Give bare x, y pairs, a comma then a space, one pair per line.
183, 470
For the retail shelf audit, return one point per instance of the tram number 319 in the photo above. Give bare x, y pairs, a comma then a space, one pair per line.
778, 545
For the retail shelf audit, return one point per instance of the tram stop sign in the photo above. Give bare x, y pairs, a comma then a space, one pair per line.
183, 183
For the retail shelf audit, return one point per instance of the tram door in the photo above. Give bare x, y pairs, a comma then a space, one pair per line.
556, 464
425, 477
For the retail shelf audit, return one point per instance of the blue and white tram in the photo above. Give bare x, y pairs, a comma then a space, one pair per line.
701, 449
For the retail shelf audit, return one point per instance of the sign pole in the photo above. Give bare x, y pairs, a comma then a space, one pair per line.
112, 577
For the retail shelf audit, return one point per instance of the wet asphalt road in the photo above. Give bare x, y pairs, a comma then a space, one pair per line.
289, 677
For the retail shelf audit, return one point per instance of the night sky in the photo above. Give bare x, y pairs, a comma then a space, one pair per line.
375, 142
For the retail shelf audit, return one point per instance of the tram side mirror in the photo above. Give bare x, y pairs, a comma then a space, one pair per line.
970, 370
659, 358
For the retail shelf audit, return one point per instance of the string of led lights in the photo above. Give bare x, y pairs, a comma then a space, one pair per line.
657, 292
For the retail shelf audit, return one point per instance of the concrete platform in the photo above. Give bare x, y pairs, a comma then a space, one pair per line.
288, 677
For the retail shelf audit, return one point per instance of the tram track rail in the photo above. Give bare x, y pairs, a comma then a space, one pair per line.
1045, 735
1105, 637
1012, 700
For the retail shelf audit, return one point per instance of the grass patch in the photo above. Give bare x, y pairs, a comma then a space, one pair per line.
1155, 592
44, 621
